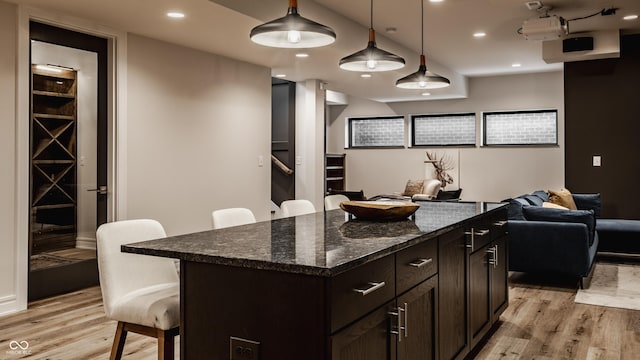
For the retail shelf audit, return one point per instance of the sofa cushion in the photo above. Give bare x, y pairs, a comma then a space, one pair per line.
533, 200
541, 194
562, 197
536, 213
515, 208
588, 202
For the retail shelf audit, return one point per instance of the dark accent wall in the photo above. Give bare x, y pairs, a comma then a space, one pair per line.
602, 117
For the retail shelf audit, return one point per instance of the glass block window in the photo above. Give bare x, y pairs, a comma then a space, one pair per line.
443, 130
537, 127
376, 132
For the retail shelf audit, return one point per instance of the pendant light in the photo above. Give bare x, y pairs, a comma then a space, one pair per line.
292, 31
371, 58
423, 79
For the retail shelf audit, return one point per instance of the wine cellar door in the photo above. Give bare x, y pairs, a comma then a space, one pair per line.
68, 192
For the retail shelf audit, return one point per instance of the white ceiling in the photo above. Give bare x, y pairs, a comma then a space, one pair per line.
222, 27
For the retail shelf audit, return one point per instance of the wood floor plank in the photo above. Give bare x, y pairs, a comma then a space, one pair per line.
542, 322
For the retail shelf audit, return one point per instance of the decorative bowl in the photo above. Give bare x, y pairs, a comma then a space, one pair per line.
380, 210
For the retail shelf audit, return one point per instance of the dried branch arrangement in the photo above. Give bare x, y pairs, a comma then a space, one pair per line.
442, 165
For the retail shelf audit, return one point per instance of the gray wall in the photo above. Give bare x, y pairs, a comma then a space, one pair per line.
484, 173
197, 123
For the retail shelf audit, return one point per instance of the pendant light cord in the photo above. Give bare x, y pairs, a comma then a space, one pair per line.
422, 30
371, 19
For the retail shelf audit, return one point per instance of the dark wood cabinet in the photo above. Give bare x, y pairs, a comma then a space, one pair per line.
480, 314
367, 339
434, 296
418, 312
473, 284
499, 285
453, 272
404, 329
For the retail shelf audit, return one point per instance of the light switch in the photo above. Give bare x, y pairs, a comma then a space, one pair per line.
298, 160
597, 161
260, 161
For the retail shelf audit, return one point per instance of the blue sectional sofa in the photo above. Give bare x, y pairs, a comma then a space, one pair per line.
550, 240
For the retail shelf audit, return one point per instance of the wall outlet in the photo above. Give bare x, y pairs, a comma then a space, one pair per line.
597, 161
243, 349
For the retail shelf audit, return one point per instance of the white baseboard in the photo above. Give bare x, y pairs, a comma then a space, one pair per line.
8, 305
85, 243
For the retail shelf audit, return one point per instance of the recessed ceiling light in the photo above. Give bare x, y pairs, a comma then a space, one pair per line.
436, 0
365, 75
281, 75
175, 15
479, 34
516, 65
630, 17
391, 30
302, 55
426, 93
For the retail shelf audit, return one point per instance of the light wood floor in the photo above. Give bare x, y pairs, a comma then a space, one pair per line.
541, 322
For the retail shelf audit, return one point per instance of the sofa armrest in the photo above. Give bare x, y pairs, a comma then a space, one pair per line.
544, 246
588, 202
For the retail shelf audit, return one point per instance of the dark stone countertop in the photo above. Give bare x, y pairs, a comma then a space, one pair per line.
320, 244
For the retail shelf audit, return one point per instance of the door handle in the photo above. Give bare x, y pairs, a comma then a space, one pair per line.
101, 190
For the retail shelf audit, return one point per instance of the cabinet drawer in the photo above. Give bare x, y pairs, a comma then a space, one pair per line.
498, 224
358, 291
416, 264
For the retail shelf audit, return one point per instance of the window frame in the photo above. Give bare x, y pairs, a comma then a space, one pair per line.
349, 132
484, 128
412, 128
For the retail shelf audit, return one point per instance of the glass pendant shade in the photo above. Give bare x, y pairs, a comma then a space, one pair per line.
423, 79
371, 58
292, 31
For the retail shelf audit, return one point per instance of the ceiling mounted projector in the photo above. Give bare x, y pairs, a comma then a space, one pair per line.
551, 27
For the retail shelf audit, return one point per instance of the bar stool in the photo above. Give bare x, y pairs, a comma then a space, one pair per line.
141, 292
332, 202
297, 207
232, 217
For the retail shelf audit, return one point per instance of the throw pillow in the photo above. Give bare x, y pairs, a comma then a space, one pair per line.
588, 202
553, 206
563, 198
413, 187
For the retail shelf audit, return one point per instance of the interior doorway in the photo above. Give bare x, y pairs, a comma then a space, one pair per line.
68, 158
283, 143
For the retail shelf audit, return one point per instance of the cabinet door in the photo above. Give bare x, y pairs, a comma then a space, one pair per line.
452, 294
417, 339
499, 273
367, 339
480, 313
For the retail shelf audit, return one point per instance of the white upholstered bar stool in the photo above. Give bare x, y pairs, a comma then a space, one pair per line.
141, 292
297, 207
224, 218
332, 202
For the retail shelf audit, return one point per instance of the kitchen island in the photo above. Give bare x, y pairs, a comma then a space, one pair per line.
325, 286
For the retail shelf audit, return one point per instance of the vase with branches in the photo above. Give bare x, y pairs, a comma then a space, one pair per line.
442, 165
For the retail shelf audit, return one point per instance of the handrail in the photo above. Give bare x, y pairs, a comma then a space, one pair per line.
284, 168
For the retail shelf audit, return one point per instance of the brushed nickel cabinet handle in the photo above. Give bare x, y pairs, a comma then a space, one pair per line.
374, 286
420, 262
500, 223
